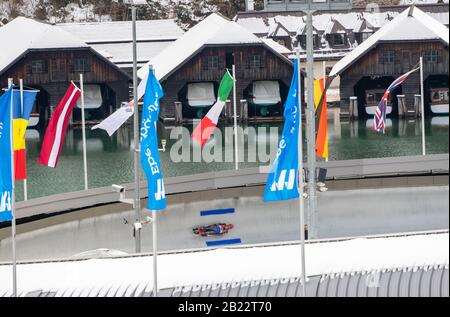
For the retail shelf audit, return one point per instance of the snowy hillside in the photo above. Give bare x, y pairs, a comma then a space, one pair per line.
186, 12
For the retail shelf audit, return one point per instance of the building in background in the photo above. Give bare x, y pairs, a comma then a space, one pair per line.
190, 70
336, 32
393, 50
114, 41
48, 58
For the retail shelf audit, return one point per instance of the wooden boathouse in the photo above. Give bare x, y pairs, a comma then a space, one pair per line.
190, 70
47, 58
393, 50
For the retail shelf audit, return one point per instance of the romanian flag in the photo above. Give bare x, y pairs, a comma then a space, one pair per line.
21, 116
203, 131
320, 100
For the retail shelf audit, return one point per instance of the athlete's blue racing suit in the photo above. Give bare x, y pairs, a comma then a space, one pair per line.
218, 229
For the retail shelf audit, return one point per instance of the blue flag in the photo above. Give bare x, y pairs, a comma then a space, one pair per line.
282, 181
149, 144
6, 177
28, 101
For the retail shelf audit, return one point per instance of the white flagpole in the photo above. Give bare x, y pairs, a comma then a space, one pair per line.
136, 133
83, 127
25, 187
300, 177
236, 148
13, 222
155, 254
422, 106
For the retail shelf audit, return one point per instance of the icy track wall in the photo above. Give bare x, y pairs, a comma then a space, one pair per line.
340, 214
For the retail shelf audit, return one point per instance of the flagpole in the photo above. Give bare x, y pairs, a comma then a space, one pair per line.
236, 150
137, 202
25, 187
155, 233
300, 176
83, 127
155, 254
422, 106
13, 221
311, 129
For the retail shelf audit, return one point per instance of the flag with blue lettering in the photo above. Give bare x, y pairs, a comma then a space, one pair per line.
149, 144
6, 176
282, 181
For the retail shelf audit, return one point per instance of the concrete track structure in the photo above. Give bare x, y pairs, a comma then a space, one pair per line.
378, 205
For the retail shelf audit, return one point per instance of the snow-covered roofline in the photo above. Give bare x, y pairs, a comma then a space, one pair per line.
212, 31
431, 29
24, 34
121, 31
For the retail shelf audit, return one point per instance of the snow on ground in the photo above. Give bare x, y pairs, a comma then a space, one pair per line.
233, 264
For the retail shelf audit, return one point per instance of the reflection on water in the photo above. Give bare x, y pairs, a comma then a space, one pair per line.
110, 158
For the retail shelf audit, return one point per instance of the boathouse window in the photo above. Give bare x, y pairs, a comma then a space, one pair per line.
81, 65
388, 57
210, 62
338, 39
213, 62
303, 41
282, 42
39, 66
58, 70
254, 61
431, 56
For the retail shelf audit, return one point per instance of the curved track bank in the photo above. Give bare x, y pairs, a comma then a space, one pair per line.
341, 213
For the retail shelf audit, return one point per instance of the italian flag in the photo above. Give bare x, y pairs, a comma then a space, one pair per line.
203, 131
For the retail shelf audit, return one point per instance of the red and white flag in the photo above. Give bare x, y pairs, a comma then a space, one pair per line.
56, 129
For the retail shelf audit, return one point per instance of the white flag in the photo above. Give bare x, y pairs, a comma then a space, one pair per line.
118, 118
115, 121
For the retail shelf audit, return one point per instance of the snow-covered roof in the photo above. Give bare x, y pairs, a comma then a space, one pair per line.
254, 25
232, 33
280, 31
121, 31
281, 49
350, 20
23, 34
290, 22
184, 47
214, 30
122, 54
228, 265
411, 24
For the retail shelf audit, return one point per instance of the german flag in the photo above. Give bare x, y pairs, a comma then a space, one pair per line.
320, 100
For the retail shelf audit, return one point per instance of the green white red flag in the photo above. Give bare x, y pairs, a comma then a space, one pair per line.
203, 131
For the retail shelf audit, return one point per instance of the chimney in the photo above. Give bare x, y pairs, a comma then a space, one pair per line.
249, 5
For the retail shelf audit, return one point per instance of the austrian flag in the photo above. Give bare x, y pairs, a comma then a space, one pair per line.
203, 131
56, 129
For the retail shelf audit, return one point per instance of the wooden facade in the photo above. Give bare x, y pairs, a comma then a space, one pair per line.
51, 71
387, 61
272, 67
